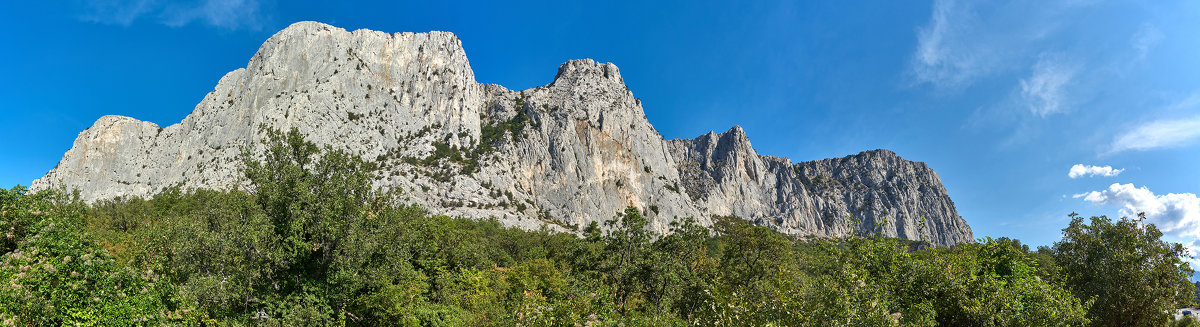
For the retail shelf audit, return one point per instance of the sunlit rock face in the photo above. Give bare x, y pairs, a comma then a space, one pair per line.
563, 155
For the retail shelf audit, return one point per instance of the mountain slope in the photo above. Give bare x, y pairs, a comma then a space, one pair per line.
563, 155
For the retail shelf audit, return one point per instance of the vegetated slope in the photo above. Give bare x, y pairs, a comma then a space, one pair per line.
572, 152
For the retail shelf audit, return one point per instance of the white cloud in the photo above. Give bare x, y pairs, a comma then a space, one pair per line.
1187, 103
1176, 215
938, 60
957, 46
1079, 170
228, 14
1045, 91
1193, 248
1146, 37
965, 41
1158, 134
116, 12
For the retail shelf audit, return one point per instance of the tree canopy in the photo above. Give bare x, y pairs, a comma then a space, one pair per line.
1134, 278
311, 242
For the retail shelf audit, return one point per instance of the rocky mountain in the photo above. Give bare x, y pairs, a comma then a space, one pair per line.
562, 155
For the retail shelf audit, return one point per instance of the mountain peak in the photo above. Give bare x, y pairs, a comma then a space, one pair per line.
587, 70
308, 26
881, 152
736, 134
115, 121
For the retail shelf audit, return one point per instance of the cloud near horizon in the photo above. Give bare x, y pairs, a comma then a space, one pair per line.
226, 14
1079, 170
1176, 215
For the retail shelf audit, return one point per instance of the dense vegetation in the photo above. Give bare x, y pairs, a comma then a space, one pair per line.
315, 244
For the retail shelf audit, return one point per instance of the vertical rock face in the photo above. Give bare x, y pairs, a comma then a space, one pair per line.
563, 155
888, 194
364, 91
873, 192
103, 155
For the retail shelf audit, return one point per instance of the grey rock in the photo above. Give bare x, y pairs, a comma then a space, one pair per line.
871, 193
586, 150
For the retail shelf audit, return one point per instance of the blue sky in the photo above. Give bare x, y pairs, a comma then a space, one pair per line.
1001, 98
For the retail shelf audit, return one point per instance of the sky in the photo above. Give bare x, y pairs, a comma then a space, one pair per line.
1028, 110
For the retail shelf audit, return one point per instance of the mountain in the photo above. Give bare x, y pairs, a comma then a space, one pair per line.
561, 155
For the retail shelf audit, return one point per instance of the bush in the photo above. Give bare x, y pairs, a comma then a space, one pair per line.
312, 243
1134, 278
52, 273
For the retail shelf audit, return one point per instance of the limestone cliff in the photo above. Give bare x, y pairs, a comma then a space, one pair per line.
563, 155
871, 192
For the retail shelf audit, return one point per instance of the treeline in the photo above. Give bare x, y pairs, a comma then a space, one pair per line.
315, 244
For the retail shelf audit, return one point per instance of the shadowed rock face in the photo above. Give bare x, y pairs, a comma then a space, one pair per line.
582, 148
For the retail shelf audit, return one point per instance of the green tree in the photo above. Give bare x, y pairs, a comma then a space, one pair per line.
314, 243
340, 256
53, 274
626, 249
218, 246
1134, 277
753, 262
679, 269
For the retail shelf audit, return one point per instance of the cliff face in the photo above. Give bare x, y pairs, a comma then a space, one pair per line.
871, 192
562, 155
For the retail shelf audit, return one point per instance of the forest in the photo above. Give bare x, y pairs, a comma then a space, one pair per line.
310, 242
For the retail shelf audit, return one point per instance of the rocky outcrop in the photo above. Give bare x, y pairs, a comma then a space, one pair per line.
873, 192
886, 194
562, 155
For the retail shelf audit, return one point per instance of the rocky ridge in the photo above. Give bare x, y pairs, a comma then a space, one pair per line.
561, 155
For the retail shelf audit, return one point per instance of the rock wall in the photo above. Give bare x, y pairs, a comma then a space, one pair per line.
575, 151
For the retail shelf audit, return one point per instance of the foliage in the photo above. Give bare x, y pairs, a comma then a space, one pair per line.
1134, 277
1186, 321
311, 242
467, 158
52, 273
492, 134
